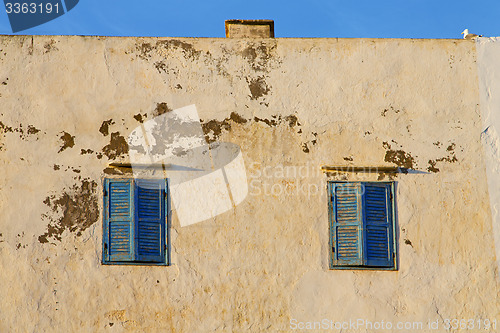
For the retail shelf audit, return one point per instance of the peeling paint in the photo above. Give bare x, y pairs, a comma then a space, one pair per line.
213, 128
161, 108
86, 151
104, 129
140, 117
432, 163
258, 87
117, 146
400, 158
78, 209
68, 141
258, 56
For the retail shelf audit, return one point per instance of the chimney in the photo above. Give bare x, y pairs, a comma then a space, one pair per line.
249, 29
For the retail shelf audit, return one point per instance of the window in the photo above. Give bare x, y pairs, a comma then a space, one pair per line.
362, 225
135, 221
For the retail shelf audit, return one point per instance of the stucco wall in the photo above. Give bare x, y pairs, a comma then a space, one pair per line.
67, 105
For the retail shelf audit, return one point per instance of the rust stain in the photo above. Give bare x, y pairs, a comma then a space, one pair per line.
68, 141
78, 208
116, 147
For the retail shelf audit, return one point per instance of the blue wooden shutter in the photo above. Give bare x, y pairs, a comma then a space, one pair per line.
150, 220
346, 224
378, 233
119, 212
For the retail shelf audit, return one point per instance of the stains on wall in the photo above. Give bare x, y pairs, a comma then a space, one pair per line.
398, 156
390, 110
450, 158
75, 210
259, 55
213, 128
104, 129
50, 46
24, 133
140, 117
68, 141
161, 108
117, 146
258, 87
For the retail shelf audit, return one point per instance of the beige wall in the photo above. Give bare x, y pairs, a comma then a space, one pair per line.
67, 105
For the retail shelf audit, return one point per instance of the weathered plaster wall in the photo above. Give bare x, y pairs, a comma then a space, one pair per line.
67, 105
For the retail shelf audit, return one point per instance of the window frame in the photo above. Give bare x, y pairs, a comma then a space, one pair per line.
165, 224
392, 225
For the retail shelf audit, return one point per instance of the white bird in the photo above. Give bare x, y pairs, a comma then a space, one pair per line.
467, 35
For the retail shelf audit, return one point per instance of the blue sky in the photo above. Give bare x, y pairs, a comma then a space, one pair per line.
307, 18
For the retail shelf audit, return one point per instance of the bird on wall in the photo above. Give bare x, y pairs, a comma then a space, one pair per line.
467, 35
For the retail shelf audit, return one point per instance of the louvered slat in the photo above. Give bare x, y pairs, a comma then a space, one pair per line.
378, 231
150, 225
119, 220
345, 224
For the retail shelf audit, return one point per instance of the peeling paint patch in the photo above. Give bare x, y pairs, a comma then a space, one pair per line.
349, 159
4, 128
432, 163
57, 167
68, 141
213, 128
268, 122
116, 147
140, 117
451, 158
104, 129
258, 87
161, 108
32, 129
78, 209
305, 148
258, 56
292, 121
408, 242
400, 158
86, 151
187, 49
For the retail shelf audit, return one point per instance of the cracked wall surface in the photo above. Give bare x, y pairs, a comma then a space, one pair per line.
67, 105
